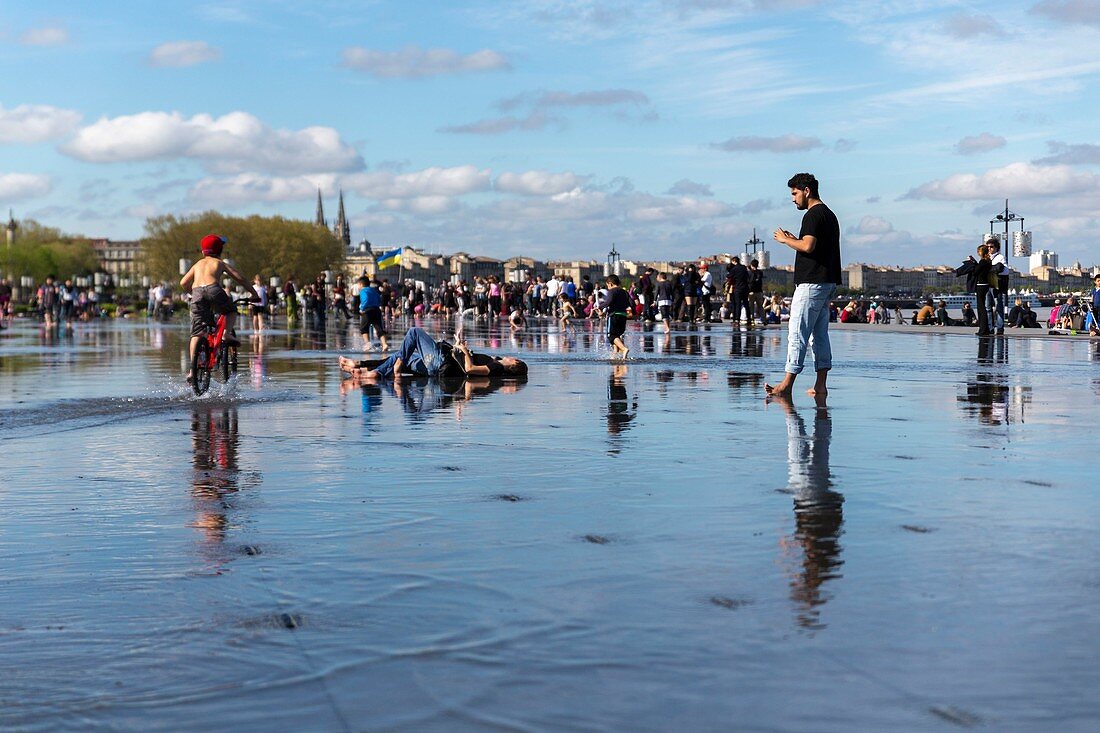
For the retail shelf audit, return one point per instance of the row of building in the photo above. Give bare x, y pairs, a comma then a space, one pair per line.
121, 259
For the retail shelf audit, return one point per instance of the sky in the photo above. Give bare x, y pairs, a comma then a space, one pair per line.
555, 129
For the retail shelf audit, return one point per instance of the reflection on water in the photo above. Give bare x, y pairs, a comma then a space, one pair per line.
818, 514
747, 344
421, 398
215, 476
621, 411
988, 395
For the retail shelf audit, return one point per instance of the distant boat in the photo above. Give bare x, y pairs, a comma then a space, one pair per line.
956, 301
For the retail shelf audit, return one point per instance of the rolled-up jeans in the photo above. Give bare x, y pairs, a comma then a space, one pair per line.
419, 353
809, 326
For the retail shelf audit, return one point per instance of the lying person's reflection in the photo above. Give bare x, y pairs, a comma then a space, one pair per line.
621, 411
421, 397
215, 474
987, 392
818, 513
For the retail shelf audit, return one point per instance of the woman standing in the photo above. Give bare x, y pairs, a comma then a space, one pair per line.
981, 279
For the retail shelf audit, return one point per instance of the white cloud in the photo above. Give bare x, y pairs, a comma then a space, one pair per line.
247, 188
235, 142
782, 144
434, 181
983, 143
46, 36
17, 186
686, 187
178, 54
538, 183
1016, 179
424, 205
872, 225
624, 104
413, 62
384, 186
33, 123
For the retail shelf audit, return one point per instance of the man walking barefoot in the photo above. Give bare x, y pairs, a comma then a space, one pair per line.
816, 275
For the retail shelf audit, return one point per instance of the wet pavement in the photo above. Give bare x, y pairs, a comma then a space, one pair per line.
643, 546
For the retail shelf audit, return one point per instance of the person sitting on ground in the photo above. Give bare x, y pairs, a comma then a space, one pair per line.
421, 355
899, 316
926, 316
1028, 319
1012, 320
969, 317
1070, 316
942, 317
849, 314
208, 297
1053, 319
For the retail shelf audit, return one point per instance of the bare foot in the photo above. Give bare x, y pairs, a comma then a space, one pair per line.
816, 391
347, 365
783, 389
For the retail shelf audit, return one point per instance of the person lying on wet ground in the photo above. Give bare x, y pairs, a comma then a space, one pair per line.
421, 355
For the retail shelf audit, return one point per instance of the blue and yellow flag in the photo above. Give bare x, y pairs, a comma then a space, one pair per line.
393, 257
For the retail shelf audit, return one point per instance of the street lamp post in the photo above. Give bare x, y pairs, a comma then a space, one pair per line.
1005, 217
613, 262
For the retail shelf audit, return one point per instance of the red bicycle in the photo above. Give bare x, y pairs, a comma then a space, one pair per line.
213, 354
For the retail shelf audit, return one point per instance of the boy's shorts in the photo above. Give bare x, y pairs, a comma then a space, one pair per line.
207, 303
371, 317
616, 326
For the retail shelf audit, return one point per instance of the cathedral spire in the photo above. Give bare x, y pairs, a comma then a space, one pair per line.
319, 219
342, 230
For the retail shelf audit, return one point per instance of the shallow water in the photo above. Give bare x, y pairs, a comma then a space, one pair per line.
648, 546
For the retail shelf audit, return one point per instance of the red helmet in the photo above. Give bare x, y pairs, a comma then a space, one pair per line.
212, 244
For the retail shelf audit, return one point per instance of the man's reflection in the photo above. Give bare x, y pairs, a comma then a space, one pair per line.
746, 344
987, 393
215, 474
818, 513
620, 411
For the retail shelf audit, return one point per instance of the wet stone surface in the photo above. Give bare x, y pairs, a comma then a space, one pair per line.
643, 546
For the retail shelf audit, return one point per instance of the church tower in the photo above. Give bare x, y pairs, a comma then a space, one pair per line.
319, 218
342, 230
11, 228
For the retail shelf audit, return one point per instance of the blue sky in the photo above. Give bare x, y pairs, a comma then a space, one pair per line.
554, 129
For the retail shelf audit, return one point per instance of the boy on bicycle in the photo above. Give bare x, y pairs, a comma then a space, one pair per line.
208, 297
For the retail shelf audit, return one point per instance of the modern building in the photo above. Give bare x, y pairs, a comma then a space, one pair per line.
1042, 258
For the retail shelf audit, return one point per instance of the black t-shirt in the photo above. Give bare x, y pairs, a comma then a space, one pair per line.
496, 369
617, 301
738, 277
823, 264
756, 281
664, 290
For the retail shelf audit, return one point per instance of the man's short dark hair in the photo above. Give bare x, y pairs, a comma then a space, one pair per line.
613, 279
735, 260
804, 180
363, 280
755, 263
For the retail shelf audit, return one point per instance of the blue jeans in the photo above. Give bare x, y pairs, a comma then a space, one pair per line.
995, 305
419, 353
809, 326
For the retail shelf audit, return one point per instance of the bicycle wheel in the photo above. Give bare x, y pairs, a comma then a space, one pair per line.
200, 368
223, 362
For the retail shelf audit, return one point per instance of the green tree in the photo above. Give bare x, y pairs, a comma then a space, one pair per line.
257, 245
39, 251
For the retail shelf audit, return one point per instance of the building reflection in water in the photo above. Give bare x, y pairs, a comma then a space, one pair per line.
215, 479
818, 515
621, 411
